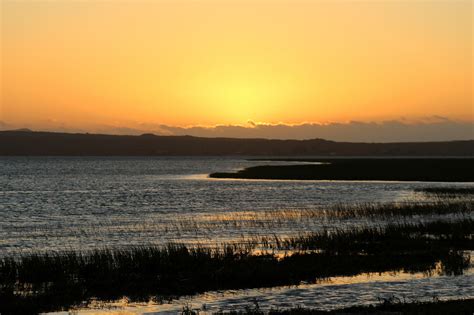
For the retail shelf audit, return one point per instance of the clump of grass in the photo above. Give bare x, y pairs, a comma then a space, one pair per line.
388, 210
46, 282
286, 217
395, 237
136, 274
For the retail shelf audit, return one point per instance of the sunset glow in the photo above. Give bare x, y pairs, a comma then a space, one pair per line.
183, 63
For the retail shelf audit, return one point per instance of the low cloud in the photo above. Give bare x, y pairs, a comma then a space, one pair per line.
434, 128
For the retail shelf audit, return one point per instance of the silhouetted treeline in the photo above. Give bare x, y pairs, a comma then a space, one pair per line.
50, 143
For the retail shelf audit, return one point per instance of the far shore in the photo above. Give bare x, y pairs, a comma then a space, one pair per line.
383, 169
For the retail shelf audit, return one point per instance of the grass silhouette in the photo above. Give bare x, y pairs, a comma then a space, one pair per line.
46, 282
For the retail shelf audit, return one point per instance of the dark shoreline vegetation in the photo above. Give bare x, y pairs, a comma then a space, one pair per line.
48, 282
403, 169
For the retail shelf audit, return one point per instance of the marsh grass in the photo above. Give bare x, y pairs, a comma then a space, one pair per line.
209, 229
286, 217
440, 235
45, 282
436, 206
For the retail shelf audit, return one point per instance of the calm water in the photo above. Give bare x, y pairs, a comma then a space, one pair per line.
56, 203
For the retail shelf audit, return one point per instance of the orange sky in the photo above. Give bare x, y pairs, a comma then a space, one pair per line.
206, 62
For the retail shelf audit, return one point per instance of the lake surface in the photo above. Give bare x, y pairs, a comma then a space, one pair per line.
61, 203
83, 203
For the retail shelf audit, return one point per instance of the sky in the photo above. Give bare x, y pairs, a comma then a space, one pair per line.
184, 66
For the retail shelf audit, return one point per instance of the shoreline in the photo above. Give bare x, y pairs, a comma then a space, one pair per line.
361, 169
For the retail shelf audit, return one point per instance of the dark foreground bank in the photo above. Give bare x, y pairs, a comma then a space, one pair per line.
423, 169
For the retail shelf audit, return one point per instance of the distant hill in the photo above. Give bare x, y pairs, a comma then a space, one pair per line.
50, 143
